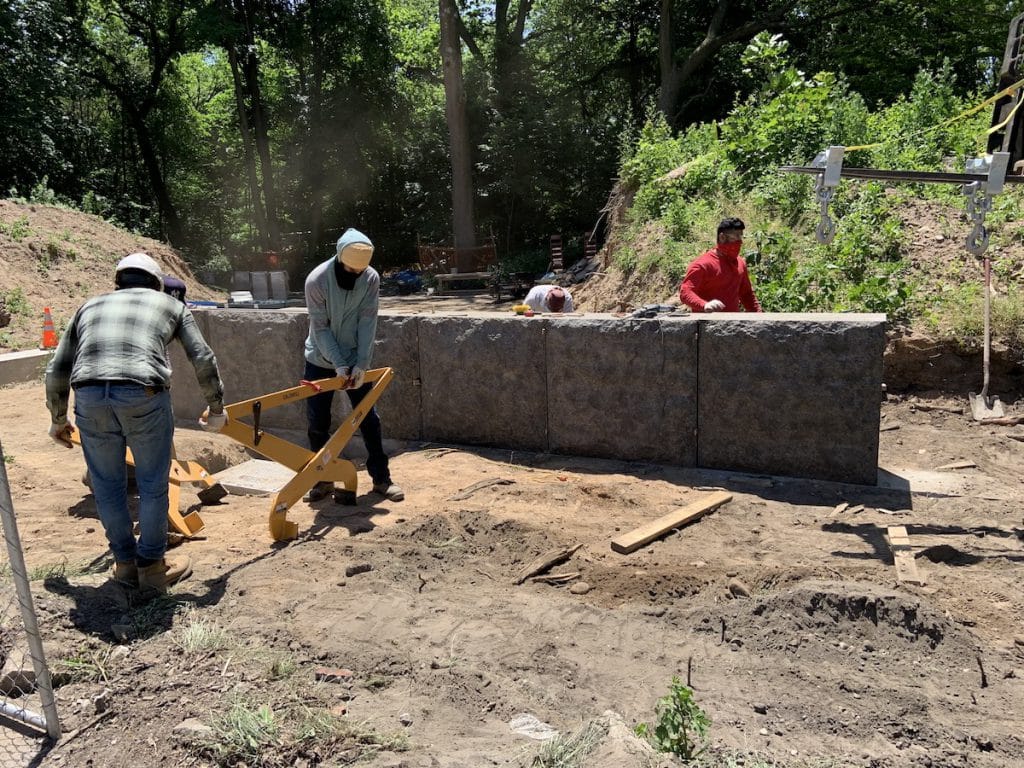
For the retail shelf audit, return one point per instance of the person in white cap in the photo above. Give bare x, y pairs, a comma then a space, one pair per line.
114, 355
342, 297
549, 298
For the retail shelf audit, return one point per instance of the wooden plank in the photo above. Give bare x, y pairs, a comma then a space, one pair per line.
959, 465
465, 493
632, 541
544, 561
903, 555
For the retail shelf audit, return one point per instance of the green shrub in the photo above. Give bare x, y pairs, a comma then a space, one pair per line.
17, 230
682, 725
655, 153
16, 302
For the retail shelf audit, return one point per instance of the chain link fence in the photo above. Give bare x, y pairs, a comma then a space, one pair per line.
28, 711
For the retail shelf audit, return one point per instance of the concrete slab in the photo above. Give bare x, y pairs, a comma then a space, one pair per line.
926, 482
27, 365
256, 477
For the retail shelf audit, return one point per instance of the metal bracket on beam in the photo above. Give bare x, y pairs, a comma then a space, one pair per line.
831, 163
979, 197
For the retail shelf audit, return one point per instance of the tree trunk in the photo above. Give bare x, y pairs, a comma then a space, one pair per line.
261, 139
247, 150
314, 167
458, 128
169, 214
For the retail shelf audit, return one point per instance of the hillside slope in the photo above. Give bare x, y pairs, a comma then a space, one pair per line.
57, 258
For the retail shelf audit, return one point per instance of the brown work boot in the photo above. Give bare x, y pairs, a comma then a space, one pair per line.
389, 491
126, 573
164, 572
319, 492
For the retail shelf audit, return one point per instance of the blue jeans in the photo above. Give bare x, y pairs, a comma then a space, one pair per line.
318, 423
111, 416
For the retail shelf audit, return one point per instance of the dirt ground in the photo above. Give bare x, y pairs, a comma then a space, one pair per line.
782, 609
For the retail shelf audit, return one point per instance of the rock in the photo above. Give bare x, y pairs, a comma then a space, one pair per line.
192, 729
16, 682
101, 702
405, 719
352, 570
738, 589
984, 743
761, 709
763, 731
579, 588
121, 632
332, 675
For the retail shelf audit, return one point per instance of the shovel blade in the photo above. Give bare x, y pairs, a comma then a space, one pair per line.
986, 407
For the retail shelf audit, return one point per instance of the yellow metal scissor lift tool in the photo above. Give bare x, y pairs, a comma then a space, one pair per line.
189, 524
325, 465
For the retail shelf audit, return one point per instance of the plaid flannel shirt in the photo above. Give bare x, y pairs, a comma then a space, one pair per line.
123, 336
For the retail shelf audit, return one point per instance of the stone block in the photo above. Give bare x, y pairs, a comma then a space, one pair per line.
258, 352
796, 395
484, 381
623, 389
27, 365
278, 284
397, 347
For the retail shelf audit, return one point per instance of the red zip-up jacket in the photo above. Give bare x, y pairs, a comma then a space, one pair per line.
713, 276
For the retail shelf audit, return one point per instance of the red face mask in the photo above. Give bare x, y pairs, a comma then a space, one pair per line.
730, 250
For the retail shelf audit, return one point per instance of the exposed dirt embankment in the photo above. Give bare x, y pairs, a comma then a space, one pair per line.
57, 258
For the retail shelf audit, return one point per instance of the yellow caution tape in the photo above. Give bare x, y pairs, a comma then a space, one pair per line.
1007, 91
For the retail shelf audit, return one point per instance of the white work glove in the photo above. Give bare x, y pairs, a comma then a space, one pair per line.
343, 372
213, 422
714, 306
358, 374
61, 434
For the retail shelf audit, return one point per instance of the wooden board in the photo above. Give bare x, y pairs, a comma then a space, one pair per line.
903, 555
632, 541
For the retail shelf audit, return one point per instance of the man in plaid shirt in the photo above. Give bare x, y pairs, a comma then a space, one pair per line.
113, 355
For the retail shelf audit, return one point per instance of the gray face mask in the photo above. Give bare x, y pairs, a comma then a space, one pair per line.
346, 280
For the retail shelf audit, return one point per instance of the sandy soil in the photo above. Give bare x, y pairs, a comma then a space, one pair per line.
782, 608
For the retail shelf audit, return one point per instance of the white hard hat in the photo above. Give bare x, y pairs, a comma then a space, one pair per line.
142, 262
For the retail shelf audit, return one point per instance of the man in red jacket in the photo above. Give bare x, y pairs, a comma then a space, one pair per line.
718, 280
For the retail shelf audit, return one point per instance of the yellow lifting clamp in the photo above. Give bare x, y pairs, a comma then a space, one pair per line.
325, 465
189, 524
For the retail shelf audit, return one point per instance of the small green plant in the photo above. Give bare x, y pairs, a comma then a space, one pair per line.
80, 667
16, 302
202, 635
570, 751
242, 735
17, 230
682, 725
281, 667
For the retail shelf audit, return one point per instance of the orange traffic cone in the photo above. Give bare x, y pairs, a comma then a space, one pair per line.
49, 334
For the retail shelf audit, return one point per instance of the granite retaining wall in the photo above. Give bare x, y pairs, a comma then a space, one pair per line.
795, 395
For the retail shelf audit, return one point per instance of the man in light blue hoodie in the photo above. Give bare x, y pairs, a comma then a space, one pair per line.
342, 296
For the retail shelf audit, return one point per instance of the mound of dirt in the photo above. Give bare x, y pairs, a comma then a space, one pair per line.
57, 258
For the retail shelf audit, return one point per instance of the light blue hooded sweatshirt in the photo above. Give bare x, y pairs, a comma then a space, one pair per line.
342, 323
